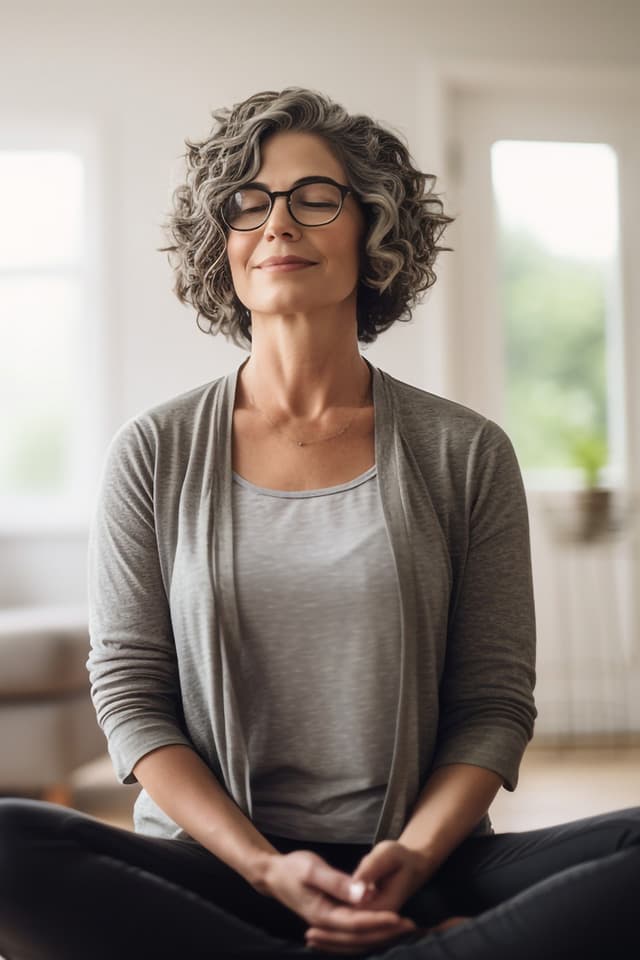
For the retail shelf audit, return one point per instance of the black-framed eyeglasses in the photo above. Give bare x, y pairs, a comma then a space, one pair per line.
312, 202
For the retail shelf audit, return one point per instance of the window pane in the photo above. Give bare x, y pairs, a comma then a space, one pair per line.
41, 199
557, 207
38, 322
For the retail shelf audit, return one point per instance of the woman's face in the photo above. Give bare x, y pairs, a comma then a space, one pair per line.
334, 247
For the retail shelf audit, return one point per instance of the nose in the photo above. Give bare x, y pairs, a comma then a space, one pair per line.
280, 220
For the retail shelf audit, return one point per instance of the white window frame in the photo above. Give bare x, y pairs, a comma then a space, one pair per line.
473, 369
32, 514
458, 342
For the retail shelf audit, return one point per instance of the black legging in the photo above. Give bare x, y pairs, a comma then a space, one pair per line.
73, 888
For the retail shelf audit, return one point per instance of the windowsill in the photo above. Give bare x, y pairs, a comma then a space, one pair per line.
568, 481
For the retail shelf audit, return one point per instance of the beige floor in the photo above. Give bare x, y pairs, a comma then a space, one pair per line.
560, 784
556, 784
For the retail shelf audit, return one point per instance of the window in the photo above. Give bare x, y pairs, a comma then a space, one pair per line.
46, 333
557, 207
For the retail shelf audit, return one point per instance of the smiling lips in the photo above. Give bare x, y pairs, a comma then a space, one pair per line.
284, 264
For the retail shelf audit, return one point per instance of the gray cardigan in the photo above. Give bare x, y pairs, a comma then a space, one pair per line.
165, 638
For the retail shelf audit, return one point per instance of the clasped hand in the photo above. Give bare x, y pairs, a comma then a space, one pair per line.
349, 914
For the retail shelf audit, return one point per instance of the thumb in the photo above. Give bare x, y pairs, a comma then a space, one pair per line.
334, 882
361, 890
374, 867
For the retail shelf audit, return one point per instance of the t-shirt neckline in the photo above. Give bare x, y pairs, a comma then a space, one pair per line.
297, 494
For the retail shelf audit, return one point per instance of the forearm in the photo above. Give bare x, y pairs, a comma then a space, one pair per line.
451, 804
204, 810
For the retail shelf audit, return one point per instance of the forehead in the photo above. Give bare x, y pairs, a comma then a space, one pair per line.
290, 154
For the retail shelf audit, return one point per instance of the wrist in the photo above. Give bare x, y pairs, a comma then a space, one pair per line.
424, 861
260, 867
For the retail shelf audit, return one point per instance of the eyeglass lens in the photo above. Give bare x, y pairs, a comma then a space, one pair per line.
312, 204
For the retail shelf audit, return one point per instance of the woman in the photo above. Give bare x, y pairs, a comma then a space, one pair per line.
311, 613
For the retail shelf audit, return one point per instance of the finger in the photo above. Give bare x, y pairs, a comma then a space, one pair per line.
339, 885
382, 860
403, 925
362, 891
335, 917
327, 939
374, 926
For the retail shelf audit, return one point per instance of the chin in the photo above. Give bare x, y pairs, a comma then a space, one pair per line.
280, 309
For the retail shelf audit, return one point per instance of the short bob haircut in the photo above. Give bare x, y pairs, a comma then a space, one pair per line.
403, 219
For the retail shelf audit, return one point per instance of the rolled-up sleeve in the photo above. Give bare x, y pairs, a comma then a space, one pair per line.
132, 663
487, 709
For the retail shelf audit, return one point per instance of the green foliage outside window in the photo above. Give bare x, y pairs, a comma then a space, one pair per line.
554, 315
38, 464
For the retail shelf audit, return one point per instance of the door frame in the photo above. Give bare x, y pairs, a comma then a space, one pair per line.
440, 85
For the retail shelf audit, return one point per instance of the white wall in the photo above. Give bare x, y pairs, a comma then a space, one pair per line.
147, 74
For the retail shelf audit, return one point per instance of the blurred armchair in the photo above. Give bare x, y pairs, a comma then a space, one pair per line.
48, 725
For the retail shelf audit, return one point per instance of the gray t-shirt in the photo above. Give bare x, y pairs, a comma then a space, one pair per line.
320, 617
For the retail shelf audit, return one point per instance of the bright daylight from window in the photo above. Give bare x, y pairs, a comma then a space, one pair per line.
41, 249
556, 213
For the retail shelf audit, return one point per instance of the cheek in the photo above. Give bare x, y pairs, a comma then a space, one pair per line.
349, 245
349, 254
238, 253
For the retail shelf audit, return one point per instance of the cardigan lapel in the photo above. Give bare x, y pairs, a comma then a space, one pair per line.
392, 467
235, 764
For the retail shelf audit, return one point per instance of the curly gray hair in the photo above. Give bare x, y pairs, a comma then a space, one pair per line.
404, 220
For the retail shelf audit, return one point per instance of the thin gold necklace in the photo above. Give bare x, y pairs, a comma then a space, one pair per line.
307, 443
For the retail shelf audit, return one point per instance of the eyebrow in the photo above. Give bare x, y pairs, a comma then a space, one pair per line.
296, 183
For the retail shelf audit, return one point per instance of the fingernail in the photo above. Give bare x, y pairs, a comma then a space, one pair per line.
356, 890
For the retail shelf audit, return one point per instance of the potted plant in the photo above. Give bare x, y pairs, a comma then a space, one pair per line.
593, 503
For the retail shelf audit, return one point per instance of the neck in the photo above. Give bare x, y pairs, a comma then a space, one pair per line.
302, 368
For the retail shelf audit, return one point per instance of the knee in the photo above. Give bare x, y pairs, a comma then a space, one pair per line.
23, 824
16, 820
628, 822
29, 859
616, 829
